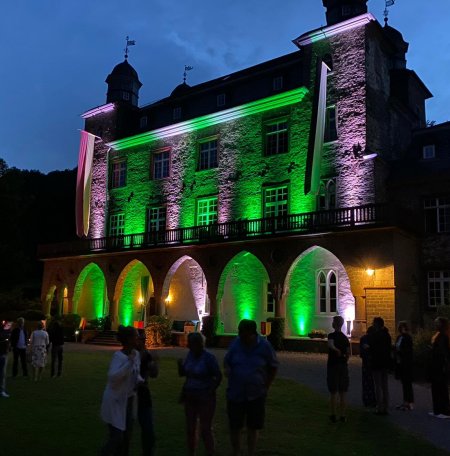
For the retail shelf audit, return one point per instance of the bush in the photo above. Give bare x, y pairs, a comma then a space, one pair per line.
276, 335
158, 332
317, 334
210, 324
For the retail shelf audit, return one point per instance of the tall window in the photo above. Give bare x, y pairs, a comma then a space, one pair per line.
277, 137
161, 164
206, 211
437, 214
278, 83
176, 114
118, 174
428, 152
438, 288
326, 199
143, 121
331, 133
270, 300
117, 224
327, 296
156, 219
276, 201
208, 155
221, 100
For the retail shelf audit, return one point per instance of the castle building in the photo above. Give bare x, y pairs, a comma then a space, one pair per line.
303, 187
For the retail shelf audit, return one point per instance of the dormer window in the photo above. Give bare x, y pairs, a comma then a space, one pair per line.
278, 83
177, 113
221, 100
428, 152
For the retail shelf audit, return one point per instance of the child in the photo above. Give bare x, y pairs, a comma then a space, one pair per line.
337, 369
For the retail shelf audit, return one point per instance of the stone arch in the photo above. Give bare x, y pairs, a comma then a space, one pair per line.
185, 290
90, 298
302, 291
132, 293
242, 291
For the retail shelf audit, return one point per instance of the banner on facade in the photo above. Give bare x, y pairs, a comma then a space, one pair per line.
84, 179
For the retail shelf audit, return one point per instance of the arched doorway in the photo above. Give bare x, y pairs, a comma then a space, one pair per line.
185, 291
133, 291
90, 296
317, 288
243, 292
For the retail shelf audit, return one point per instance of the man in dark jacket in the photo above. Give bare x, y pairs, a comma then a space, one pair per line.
380, 346
56, 335
19, 342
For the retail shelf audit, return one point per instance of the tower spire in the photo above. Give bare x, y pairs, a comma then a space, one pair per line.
386, 10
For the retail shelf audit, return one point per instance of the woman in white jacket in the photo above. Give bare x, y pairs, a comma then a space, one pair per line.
117, 403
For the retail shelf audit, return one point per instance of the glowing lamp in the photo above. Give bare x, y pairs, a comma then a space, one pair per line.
370, 272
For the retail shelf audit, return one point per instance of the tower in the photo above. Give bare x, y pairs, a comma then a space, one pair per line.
341, 10
123, 84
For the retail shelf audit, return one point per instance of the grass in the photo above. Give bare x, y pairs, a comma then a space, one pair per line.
60, 417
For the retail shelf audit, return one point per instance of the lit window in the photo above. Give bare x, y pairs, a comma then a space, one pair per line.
117, 225
327, 295
143, 122
326, 199
278, 83
270, 300
277, 137
428, 152
331, 133
437, 214
119, 174
438, 288
161, 164
156, 219
208, 155
276, 201
221, 100
177, 113
206, 211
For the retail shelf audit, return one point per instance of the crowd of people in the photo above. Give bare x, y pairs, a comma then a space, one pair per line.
250, 366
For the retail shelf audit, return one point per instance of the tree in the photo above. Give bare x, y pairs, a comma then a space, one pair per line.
3, 167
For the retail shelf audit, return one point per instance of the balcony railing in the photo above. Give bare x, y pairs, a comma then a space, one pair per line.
292, 224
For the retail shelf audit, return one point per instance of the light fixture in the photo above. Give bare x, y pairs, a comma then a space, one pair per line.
370, 272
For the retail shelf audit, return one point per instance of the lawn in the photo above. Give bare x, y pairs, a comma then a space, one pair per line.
59, 417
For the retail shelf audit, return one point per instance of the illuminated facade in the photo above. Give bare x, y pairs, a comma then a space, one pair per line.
260, 194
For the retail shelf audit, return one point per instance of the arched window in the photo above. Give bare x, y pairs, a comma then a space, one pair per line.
327, 292
326, 198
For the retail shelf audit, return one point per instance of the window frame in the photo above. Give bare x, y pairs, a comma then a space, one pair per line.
444, 278
143, 122
270, 300
267, 134
431, 147
324, 192
118, 183
277, 83
327, 287
437, 214
276, 205
221, 100
155, 153
199, 160
177, 113
118, 227
202, 199
327, 137
159, 228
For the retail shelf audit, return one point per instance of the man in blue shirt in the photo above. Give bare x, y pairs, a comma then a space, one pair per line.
250, 365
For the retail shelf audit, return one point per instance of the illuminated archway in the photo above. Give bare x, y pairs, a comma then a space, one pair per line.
90, 297
242, 292
317, 287
185, 290
133, 290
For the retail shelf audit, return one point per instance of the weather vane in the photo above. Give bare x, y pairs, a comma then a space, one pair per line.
386, 11
129, 43
186, 69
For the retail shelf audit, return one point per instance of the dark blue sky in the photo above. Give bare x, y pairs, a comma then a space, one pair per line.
57, 54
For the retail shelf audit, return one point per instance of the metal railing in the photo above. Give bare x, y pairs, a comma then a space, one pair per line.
309, 222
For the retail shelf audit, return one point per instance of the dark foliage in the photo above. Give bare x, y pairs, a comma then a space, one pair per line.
277, 332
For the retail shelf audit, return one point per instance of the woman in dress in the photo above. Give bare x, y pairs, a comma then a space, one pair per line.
203, 376
118, 397
404, 365
39, 342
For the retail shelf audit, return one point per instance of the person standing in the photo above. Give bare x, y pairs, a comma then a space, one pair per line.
19, 342
56, 335
4, 349
380, 344
118, 397
251, 366
39, 342
203, 377
368, 386
440, 356
148, 369
337, 369
404, 365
